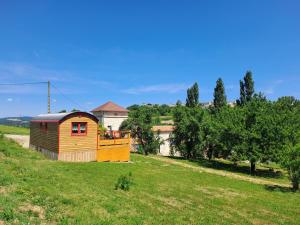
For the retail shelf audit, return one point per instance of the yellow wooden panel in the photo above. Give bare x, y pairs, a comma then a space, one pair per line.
113, 141
69, 143
113, 153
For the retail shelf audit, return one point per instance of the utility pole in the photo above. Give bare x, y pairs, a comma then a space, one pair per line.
49, 97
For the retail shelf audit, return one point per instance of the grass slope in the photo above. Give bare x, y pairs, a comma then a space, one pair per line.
13, 130
36, 190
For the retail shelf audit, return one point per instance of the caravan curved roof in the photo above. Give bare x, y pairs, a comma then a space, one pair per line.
59, 117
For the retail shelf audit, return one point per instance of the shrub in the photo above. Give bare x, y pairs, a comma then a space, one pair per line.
124, 182
291, 162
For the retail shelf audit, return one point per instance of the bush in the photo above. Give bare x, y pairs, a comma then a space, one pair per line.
124, 182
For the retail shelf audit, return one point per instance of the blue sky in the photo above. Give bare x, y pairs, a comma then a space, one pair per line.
143, 51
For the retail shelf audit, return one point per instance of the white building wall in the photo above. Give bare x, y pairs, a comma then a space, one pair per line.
113, 119
114, 122
165, 148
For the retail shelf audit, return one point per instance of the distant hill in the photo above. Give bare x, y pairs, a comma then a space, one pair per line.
16, 121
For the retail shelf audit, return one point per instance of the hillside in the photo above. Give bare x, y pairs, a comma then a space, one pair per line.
35, 190
16, 121
14, 130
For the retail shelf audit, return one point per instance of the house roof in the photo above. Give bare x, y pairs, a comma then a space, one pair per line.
163, 128
110, 107
58, 117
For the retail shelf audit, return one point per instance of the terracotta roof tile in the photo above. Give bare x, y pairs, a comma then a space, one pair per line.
110, 107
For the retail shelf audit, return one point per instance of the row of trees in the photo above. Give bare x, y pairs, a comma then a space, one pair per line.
155, 109
257, 130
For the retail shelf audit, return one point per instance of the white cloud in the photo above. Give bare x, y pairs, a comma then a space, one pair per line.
11, 71
10, 99
274, 85
159, 88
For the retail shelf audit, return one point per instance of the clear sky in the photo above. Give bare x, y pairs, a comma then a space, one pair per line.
143, 51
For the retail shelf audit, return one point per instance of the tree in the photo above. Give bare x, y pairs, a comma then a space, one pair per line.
230, 135
140, 124
187, 137
192, 99
219, 95
246, 89
62, 111
133, 107
287, 111
291, 161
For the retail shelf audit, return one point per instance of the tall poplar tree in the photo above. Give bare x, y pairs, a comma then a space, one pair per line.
219, 95
246, 89
192, 99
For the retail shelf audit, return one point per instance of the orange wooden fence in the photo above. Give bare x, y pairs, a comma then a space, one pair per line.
113, 146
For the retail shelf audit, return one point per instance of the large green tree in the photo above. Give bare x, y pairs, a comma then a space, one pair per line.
291, 161
187, 137
219, 95
256, 112
140, 122
287, 111
192, 99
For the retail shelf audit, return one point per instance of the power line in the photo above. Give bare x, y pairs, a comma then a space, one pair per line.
45, 82
68, 98
20, 84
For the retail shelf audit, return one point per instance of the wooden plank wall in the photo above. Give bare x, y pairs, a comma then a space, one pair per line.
78, 148
44, 139
113, 153
78, 156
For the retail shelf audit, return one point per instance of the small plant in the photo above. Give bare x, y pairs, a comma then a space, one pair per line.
7, 215
124, 182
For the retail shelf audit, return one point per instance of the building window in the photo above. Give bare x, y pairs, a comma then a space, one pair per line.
44, 126
79, 128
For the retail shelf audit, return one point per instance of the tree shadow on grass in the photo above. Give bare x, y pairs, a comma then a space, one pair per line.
277, 188
230, 167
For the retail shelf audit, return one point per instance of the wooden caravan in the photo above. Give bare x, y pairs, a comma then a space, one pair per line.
65, 136
113, 146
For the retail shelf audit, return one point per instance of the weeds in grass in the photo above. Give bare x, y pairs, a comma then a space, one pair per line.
7, 215
124, 182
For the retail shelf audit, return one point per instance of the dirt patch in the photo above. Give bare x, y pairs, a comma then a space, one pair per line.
22, 140
3, 190
201, 169
6, 189
35, 209
169, 201
220, 192
2, 222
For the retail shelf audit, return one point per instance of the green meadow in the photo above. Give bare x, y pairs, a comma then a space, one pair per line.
35, 190
14, 130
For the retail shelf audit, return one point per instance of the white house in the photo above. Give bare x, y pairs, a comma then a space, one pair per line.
110, 115
164, 134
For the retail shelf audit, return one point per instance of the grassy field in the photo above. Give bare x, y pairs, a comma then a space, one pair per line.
271, 172
13, 130
35, 190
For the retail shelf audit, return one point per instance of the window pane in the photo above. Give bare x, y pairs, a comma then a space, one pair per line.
82, 128
75, 128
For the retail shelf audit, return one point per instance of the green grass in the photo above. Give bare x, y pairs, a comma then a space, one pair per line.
35, 190
271, 171
13, 130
